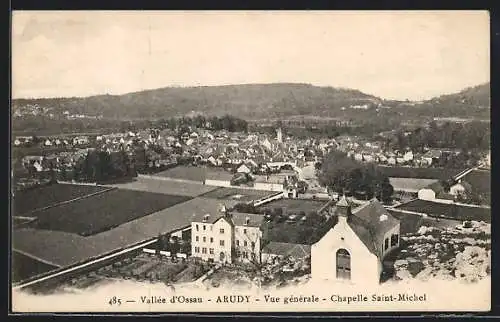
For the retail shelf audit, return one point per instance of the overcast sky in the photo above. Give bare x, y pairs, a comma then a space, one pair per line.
400, 55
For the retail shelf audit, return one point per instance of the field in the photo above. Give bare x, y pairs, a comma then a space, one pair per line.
27, 201
410, 184
184, 173
65, 248
24, 267
165, 186
295, 205
243, 195
451, 211
104, 211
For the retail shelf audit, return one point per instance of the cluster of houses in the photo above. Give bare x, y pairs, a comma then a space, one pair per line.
363, 151
76, 141
152, 148
353, 245
29, 109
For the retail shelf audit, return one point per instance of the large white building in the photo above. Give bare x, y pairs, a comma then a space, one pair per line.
355, 246
227, 237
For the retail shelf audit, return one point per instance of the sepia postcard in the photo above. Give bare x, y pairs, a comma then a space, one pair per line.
250, 161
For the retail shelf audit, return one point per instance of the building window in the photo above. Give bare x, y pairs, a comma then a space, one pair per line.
394, 239
244, 230
222, 230
237, 242
204, 239
386, 243
245, 243
221, 243
197, 249
245, 255
197, 227
204, 227
197, 238
211, 250
343, 264
253, 245
211, 239
203, 250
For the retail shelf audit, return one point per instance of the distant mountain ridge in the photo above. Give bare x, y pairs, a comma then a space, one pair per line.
476, 96
249, 101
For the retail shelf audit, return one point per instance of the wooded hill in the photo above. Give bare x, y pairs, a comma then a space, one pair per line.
264, 101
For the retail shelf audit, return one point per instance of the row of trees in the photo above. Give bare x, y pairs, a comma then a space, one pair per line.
43, 125
341, 174
368, 128
468, 136
226, 122
99, 166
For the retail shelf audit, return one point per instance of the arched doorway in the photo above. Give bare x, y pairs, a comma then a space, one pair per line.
343, 264
222, 256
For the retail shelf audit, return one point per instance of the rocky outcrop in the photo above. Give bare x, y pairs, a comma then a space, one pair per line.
462, 252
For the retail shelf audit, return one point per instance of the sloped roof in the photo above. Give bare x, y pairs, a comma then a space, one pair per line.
480, 180
433, 154
287, 249
239, 219
367, 224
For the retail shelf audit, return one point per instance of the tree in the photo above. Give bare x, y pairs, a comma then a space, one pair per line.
335, 169
174, 246
302, 186
245, 208
386, 192
340, 174
53, 175
64, 174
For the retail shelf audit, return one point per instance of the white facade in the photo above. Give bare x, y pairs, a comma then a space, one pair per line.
351, 251
247, 243
408, 156
223, 242
365, 267
212, 241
